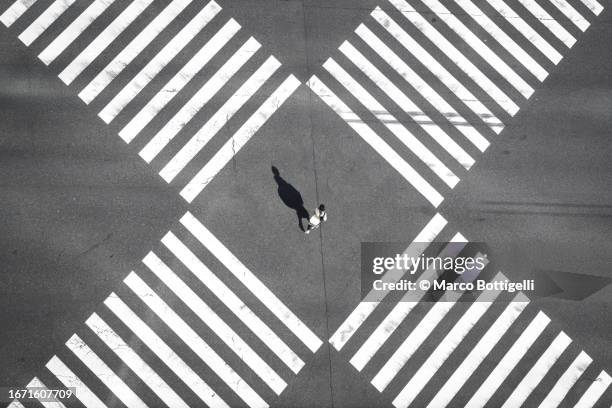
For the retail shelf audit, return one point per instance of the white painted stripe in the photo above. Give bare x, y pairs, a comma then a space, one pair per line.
240, 138
572, 14
407, 105
422, 87
392, 123
438, 70
45, 20
481, 48
215, 323
469, 365
15, 404
157, 63
566, 381
194, 341
104, 373
46, 402
251, 282
229, 299
219, 119
549, 22
134, 362
69, 379
512, 357
373, 299
594, 6
375, 141
165, 353
454, 337
503, 39
456, 56
132, 50
401, 310
103, 40
15, 11
595, 391
525, 29
535, 375
182, 78
72, 32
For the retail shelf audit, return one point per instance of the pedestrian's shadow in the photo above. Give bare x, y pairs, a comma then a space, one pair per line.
290, 197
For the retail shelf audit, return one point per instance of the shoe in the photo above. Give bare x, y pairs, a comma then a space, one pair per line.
307, 231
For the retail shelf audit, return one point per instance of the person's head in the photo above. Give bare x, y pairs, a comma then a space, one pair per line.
321, 207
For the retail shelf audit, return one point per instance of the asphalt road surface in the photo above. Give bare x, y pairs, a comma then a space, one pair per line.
152, 257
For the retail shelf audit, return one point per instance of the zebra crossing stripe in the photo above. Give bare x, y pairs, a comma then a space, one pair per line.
178, 82
251, 282
69, 379
512, 357
373, 299
164, 352
594, 6
219, 119
594, 392
43, 21
469, 365
73, 31
535, 375
401, 310
407, 105
481, 48
36, 383
158, 62
503, 39
129, 357
229, 299
103, 40
194, 341
375, 141
456, 56
215, 323
240, 138
132, 50
15, 11
571, 13
567, 380
526, 30
104, 373
549, 22
422, 87
437, 69
15, 404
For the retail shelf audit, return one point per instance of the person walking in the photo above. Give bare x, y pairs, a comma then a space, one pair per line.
315, 221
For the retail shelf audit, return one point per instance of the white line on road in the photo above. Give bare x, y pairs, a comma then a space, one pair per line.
180, 80
375, 141
69, 379
103, 40
104, 373
132, 50
558, 392
535, 375
73, 31
45, 402
15, 11
135, 362
594, 6
157, 63
512, 357
373, 299
592, 394
52, 13
572, 14
165, 353
229, 299
219, 119
549, 22
215, 323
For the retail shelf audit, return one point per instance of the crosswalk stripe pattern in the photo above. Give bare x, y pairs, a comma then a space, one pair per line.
138, 292
474, 334
488, 79
267, 80
47, 403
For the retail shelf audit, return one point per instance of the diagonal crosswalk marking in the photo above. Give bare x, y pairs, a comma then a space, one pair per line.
36, 383
595, 391
69, 379
566, 381
15, 11
44, 21
549, 22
